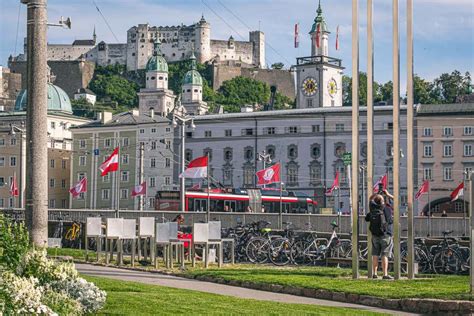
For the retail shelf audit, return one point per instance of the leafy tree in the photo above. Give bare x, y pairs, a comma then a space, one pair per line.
422, 91
241, 91
278, 65
449, 86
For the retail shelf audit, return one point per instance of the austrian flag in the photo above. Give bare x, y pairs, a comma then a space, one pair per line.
139, 189
196, 169
111, 164
457, 192
79, 188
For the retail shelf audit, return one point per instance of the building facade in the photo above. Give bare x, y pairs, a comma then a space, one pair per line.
445, 154
10, 86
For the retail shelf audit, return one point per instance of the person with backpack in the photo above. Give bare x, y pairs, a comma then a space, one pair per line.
381, 227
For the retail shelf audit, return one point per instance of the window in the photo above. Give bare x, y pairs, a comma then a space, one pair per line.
248, 175
315, 151
82, 160
292, 174
2, 203
152, 182
167, 162
292, 152
13, 141
339, 149
339, 167
82, 143
447, 150
153, 130
207, 133
142, 131
271, 151
228, 132
293, 130
447, 131
227, 175
167, 180
467, 172
227, 154
153, 162
2, 141
389, 126
52, 182
151, 202
2, 181
123, 194
52, 203
63, 183
53, 125
2, 161
427, 132
339, 127
207, 152
63, 164
106, 178
188, 155
315, 174
124, 176
467, 150
447, 174
427, 151
63, 203
105, 194
153, 145
363, 126
467, 130
125, 159
247, 132
81, 175
315, 128
427, 174
51, 163
12, 161
107, 142
168, 144
189, 134
125, 141
309, 103
248, 153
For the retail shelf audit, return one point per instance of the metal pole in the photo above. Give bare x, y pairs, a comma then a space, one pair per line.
264, 165
464, 206
471, 212
355, 137
118, 176
183, 179
281, 205
396, 142
370, 124
21, 196
208, 191
429, 211
141, 176
36, 123
410, 141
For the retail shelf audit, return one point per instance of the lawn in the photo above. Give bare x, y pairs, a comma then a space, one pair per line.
131, 298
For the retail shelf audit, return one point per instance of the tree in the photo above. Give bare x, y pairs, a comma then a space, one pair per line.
278, 65
422, 91
449, 86
241, 91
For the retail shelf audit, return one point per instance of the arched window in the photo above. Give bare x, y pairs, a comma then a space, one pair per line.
228, 154
315, 151
292, 152
339, 149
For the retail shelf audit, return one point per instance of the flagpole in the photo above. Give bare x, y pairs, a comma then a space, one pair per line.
281, 196
208, 191
429, 211
117, 178
13, 189
464, 203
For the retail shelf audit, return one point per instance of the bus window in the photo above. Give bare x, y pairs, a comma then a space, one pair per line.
231, 206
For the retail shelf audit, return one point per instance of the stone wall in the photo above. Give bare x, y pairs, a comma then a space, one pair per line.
10, 86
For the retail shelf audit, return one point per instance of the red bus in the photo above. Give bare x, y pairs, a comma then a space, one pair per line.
236, 200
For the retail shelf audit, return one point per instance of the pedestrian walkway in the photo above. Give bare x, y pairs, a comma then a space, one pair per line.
208, 287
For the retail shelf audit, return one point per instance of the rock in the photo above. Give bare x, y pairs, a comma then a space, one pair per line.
466, 307
409, 304
339, 296
425, 306
309, 292
370, 301
276, 288
447, 306
234, 283
391, 303
324, 294
353, 298
293, 290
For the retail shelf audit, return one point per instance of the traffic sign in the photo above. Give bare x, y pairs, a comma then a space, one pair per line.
347, 158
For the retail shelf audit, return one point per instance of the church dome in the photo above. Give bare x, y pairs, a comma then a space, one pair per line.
157, 62
193, 77
58, 100
319, 20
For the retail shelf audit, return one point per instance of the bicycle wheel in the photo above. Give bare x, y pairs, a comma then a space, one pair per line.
257, 250
279, 251
343, 249
306, 252
447, 261
424, 263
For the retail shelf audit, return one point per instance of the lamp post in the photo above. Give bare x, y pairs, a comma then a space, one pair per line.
13, 131
183, 120
265, 158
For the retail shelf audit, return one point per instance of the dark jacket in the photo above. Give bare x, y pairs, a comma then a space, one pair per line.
388, 216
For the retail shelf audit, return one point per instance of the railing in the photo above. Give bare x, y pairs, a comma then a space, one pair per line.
314, 222
319, 59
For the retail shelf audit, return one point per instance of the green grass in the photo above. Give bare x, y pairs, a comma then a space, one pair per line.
131, 298
77, 254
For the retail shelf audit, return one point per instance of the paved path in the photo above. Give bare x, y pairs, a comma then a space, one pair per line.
208, 287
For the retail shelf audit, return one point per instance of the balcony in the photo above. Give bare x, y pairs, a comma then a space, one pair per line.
319, 60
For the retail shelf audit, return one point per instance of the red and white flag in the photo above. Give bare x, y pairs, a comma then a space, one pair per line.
335, 184
337, 38
14, 186
297, 35
111, 164
269, 175
425, 187
318, 36
196, 168
139, 189
457, 192
383, 181
79, 188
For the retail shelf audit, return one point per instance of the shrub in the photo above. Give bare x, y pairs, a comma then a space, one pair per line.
86, 293
14, 242
61, 303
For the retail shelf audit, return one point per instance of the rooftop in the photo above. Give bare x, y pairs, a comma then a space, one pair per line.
453, 108
126, 118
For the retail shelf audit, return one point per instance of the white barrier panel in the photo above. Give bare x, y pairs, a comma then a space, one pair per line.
114, 227
54, 242
200, 232
173, 230
94, 226
214, 230
146, 226
162, 233
129, 229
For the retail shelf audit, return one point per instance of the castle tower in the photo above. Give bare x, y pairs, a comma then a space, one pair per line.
203, 40
192, 91
257, 38
319, 77
156, 95
94, 36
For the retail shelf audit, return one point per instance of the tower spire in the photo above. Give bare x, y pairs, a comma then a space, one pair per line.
94, 36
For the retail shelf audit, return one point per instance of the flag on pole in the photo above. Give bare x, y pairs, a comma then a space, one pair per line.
79, 188
335, 184
297, 35
318, 36
337, 38
269, 175
139, 189
111, 164
425, 187
196, 168
457, 192
383, 181
14, 186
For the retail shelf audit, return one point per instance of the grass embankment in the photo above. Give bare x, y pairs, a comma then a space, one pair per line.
131, 298
333, 279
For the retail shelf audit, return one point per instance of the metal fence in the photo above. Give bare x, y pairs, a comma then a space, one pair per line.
314, 222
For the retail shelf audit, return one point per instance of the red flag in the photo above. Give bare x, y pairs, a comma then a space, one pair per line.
197, 168
139, 189
425, 187
297, 36
383, 181
79, 188
457, 192
269, 175
337, 38
335, 184
111, 164
14, 187
318, 36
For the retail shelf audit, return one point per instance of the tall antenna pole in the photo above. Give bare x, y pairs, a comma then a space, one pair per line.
36, 206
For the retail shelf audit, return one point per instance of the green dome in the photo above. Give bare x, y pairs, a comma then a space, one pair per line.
193, 76
157, 62
319, 20
58, 100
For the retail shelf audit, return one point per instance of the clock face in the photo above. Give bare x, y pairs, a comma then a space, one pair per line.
332, 87
310, 87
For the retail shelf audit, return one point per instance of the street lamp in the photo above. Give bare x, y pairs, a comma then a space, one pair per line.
183, 119
13, 132
265, 158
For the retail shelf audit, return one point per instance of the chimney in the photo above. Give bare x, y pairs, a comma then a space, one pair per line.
106, 117
152, 112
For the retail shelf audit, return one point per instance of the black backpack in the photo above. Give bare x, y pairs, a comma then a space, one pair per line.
378, 223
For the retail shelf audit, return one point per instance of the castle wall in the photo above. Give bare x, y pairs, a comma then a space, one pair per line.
232, 50
67, 52
10, 86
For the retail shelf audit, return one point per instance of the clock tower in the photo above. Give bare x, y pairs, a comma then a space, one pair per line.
318, 77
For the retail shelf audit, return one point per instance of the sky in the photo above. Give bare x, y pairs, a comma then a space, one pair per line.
444, 29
